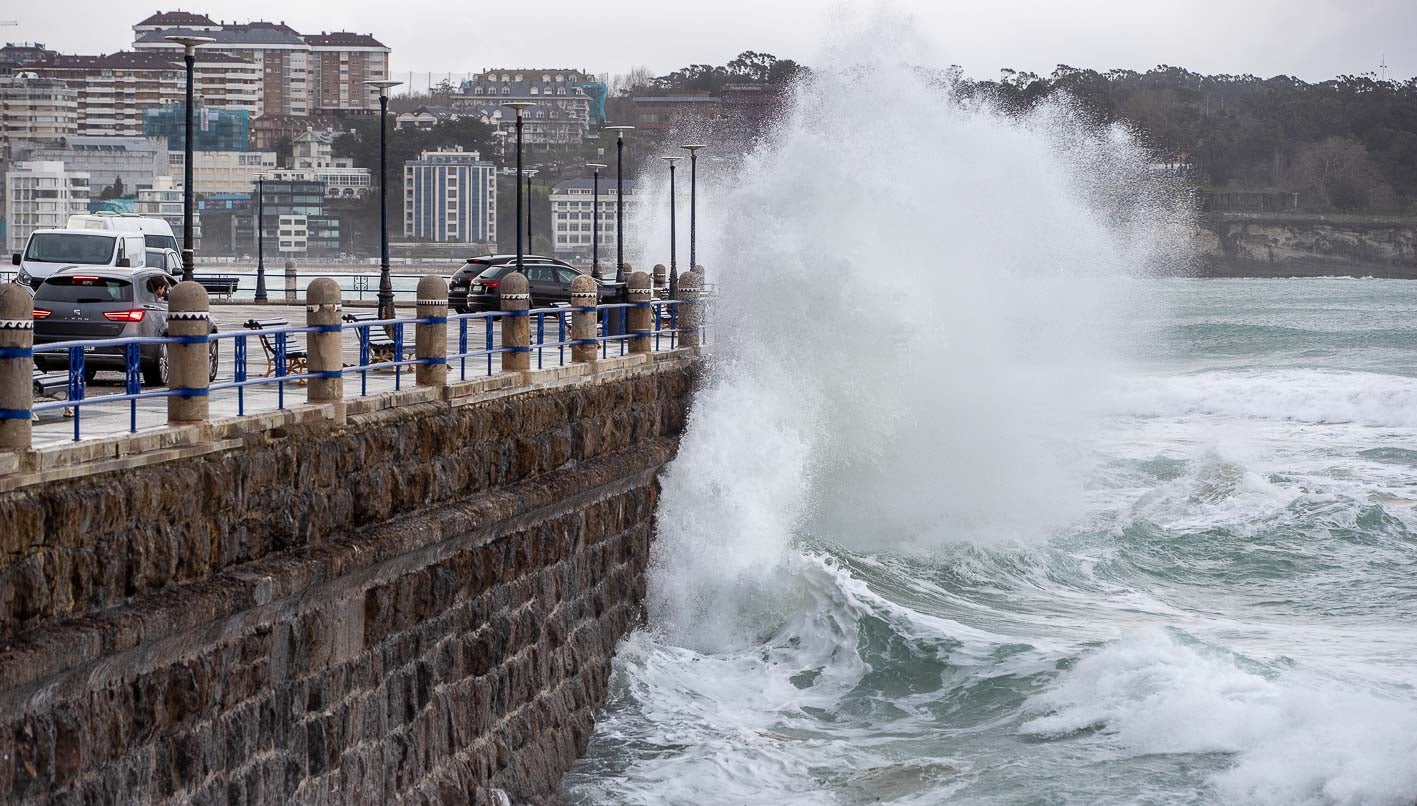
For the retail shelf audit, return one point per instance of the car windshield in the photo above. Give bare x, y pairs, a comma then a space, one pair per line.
75, 288
65, 247
159, 242
154, 257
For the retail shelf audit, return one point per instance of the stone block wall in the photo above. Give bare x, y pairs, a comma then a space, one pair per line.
417, 606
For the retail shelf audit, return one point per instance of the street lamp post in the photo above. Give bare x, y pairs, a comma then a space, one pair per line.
530, 242
693, 150
386, 283
189, 255
518, 106
673, 228
595, 219
620, 199
261, 238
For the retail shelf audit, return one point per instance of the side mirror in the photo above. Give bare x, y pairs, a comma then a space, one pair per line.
124, 263
15, 258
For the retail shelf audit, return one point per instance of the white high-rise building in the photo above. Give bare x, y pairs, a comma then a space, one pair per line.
34, 108
573, 211
41, 195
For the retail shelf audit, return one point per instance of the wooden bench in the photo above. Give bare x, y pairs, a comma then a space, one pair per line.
221, 286
381, 346
49, 384
296, 357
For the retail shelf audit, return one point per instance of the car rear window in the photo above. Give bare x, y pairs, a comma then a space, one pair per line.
493, 272
84, 289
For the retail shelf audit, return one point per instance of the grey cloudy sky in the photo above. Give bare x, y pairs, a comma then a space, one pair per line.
1313, 39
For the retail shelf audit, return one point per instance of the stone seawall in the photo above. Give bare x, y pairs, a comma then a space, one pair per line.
417, 605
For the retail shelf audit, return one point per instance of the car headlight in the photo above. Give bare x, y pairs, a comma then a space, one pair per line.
24, 277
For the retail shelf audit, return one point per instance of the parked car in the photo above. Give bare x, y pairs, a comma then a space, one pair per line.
81, 302
461, 279
166, 259
549, 283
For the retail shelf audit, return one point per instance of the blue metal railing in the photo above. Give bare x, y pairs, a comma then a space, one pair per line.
381, 345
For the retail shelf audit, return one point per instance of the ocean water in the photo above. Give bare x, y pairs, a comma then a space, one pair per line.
998, 516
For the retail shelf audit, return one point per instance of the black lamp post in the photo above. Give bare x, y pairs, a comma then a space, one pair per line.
673, 247
595, 219
620, 199
693, 150
530, 243
189, 259
261, 238
518, 106
386, 283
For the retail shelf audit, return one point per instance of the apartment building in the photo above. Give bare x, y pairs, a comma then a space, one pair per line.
299, 75
164, 200
562, 111
450, 196
136, 162
34, 108
573, 216
223, 171
41, 195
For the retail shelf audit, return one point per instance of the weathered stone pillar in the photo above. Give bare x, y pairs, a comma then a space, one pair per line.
431, 340
324, 347
689, 317
516, 327
16, 366
292, 280
584, 298
188, 370
641, 318
661, 276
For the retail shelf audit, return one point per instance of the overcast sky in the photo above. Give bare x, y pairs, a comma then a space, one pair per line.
1312, 39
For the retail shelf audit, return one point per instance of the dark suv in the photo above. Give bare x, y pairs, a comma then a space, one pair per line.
461, 279
94, 302
549, 283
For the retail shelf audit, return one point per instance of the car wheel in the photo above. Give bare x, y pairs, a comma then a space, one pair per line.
155, 371
212, 360
89, 374
461, 309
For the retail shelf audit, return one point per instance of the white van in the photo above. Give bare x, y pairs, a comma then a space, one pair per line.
157, 233
49, 250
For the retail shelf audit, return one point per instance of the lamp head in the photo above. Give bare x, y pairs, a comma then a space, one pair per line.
620, 130
191, 43
518, 106
693, 148
596, 165
382, 86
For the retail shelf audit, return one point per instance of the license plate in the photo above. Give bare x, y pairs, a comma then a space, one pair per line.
88, 348
477, 287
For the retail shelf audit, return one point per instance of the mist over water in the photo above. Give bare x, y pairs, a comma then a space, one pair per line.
972, 508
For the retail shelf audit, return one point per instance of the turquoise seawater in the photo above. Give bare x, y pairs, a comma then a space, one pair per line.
1227, 614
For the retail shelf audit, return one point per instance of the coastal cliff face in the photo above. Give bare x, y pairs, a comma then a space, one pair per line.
1290, 245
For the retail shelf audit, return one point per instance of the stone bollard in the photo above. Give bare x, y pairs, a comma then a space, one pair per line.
661, 276
188, 370
584, 298
16, 366
641, 318
516, 328
689, 309
292, 280
324, 347
431, 340
625, 269
703, 278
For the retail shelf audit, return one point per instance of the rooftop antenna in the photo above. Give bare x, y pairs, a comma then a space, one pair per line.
1383, 66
